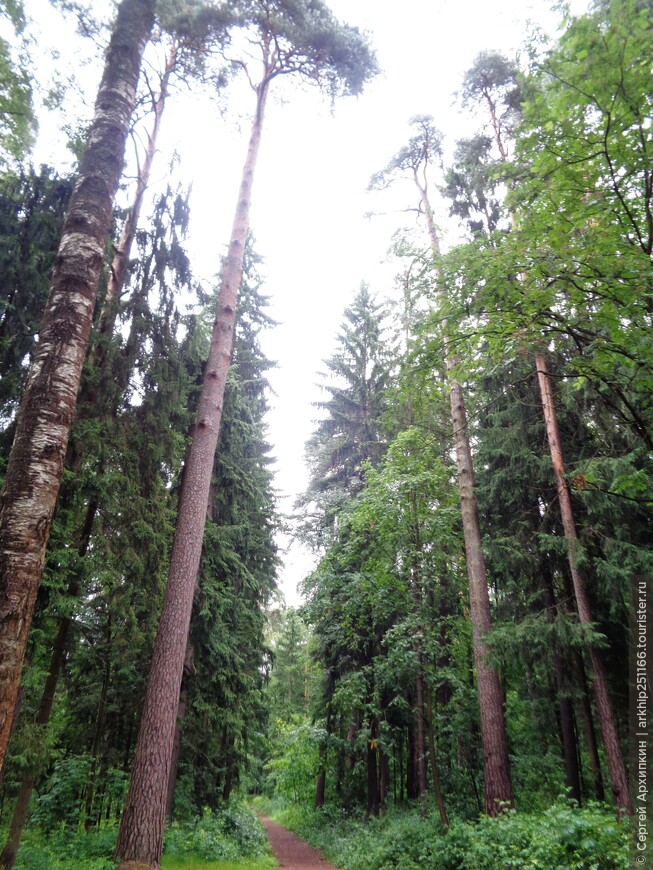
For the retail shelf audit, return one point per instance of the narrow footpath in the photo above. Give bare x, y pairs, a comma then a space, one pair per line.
291, 852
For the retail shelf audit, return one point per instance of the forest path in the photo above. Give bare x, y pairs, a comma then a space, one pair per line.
291, 852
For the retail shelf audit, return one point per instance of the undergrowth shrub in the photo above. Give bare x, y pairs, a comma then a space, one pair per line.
562, 837
224, 835
230, 834
63, 849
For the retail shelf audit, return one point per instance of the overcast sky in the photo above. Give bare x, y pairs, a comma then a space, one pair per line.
310, 192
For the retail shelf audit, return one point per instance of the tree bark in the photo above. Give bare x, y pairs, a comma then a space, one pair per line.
19, 818
140, 839
420, 755
437, 789
120, 259
189, 669
614, 758
43, 425
411, 763
99, 725
496, 761
373, 770
589, 730
565, 706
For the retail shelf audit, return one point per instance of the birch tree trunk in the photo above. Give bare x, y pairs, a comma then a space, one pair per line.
47, 409
140, 839
613, 755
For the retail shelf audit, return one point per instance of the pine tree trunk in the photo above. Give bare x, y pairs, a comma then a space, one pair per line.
613, 754
140, 839
43, 425
496, 761
179, 727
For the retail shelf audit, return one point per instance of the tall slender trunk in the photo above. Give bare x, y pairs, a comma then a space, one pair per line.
140, 838
614, 758
496, 762
320, 785
43, 425
565, 706
417, 592
437, 789
373, 769
189, 669
99, 726
420, 754
121, 254
589, 731
411, 763
19, 818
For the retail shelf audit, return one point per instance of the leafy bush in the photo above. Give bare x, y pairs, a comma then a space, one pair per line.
232, 834
62, 801
61, 849
563, 837
227, 835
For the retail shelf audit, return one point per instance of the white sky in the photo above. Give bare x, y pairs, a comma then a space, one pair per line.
310, 191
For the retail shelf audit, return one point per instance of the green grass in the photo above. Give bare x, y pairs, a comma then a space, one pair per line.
192, 864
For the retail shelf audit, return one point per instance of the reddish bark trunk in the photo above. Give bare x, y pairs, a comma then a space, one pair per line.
140, 839
45, 417
614, 758
496, 762
189, 669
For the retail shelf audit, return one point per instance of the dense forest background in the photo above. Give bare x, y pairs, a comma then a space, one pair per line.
480, 496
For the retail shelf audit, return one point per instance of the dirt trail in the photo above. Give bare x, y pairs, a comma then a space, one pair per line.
291, 852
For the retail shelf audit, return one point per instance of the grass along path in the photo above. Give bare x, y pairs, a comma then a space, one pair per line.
193, 864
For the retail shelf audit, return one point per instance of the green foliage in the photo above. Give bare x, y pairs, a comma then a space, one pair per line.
229, 834
311, 42
562, 837
291, 676
17, 118
232, 835
32, 208
293, 763
350, 432
65, 849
